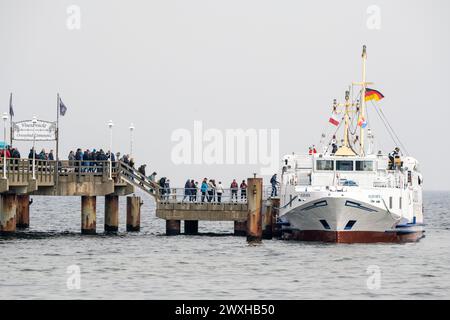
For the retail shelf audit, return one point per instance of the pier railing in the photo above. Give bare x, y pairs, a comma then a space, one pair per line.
188, 195
21, 171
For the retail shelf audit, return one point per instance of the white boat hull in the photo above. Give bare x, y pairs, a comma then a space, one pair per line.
347, 220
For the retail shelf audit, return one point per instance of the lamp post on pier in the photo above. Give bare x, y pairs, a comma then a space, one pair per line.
110, 125
5, 120
34, 121
131, 139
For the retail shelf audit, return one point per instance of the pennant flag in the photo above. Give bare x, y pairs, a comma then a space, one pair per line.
334, 120
362, 122
11, 109
372, 94
62, 107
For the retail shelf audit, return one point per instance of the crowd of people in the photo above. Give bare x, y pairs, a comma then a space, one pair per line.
10, 152
93, 160
207, 191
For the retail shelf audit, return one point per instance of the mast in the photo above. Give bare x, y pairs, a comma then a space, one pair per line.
363, 99
346, 150
346, 119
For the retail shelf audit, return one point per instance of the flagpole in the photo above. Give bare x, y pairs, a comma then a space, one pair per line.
11, 122
363, 100
57, 139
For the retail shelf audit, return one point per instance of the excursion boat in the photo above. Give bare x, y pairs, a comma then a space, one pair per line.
351, 193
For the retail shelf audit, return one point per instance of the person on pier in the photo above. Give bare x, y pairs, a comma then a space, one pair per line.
219, 191
243, 188
204, 189
234, 190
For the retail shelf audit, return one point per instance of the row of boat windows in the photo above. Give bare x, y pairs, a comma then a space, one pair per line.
344, 165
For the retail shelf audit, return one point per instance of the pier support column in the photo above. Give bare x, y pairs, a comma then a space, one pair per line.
254, 196
8, 208
267, 232
173, 227
23, 211
88, 214
191, 227
276, 229
111, 213
240, 228
133, 213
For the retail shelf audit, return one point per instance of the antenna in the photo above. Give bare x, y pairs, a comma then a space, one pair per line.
363, 99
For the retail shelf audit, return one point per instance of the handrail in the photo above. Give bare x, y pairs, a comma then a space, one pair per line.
195, 195
133, 176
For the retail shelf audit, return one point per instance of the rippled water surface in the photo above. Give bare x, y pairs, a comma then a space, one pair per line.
149, 265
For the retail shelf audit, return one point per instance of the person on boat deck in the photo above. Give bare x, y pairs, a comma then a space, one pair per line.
334, 148
274, 183
392, 155
312, 150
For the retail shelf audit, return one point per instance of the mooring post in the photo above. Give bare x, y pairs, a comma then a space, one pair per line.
111, 213
191, 227
240, 228
23, 211
88, 214
267, 221
8, 208
276, 229
134, 213
173, 227
254, 196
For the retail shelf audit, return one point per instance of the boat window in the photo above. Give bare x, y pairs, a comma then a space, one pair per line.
364, 165
390, 202
327, 165
344, 165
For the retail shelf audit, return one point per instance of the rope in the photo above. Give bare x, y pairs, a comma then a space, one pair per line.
389, 128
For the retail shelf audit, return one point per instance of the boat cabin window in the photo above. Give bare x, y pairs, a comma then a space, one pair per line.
325, 165
364, 165
344, 165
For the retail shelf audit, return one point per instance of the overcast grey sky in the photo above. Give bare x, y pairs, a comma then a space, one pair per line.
258, 64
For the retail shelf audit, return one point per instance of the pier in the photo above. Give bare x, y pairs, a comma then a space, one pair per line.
254, 215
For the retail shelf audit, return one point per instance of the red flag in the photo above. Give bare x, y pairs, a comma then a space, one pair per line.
334, 120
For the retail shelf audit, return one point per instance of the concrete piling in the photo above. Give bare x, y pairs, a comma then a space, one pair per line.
23, 211
254, 196
191, 227
173, 227
133, 213
267, 221
8, 208
240, 228
88, 214
276, 229
111, 213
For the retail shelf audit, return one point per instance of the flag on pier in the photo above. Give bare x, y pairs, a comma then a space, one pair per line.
62, 108
11, 109
372, 94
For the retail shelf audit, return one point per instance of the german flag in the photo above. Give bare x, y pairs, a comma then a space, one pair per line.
372, 94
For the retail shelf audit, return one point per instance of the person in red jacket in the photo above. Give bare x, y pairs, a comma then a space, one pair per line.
234, 189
